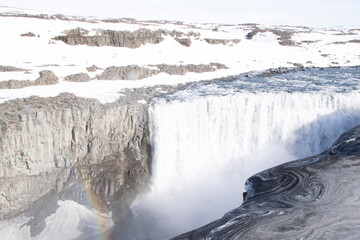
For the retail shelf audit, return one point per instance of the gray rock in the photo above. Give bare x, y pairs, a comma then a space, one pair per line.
127, 39
46, 78
47, 140
11, 69
131, 72
78, 77
183, 69
15, 84
93, 68
222, 41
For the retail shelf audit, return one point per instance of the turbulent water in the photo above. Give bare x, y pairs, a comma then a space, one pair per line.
208, 139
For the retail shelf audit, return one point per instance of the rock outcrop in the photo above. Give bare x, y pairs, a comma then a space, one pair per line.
112, 38
78, 77
46, 78
134, 72
311, 198
79, 36
11, 69
67, 147
51, 144
131, 72
222, 41
93, 68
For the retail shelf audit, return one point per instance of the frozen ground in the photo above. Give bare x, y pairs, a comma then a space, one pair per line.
266, 49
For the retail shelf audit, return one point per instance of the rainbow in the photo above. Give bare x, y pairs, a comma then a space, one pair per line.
96, 205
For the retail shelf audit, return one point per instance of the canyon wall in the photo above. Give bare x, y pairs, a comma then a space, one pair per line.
52, 144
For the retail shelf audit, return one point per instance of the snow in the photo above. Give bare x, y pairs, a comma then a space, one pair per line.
262, 52
142, 101
14, 229
68, 222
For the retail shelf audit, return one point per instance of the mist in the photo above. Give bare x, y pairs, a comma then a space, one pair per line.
205, 148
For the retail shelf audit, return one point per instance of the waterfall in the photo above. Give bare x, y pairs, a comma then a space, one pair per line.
205, 146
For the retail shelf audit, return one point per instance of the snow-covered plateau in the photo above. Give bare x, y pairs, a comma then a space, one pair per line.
31, 42
131, 129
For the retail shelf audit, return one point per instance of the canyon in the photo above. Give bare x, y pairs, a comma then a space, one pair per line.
129, 129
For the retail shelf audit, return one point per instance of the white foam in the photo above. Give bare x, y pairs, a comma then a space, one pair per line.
204, 148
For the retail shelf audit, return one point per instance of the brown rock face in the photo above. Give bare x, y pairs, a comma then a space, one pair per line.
93, 68
184, 41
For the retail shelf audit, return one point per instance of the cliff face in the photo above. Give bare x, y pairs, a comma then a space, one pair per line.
50, 144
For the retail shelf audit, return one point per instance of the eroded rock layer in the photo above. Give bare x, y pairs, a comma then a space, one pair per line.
311, 198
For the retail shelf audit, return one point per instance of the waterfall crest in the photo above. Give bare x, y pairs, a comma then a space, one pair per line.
205, 146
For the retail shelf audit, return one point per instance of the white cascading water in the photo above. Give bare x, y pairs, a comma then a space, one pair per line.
205, 147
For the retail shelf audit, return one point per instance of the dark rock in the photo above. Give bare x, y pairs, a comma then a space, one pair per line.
354, 41
46, 78
134, 72
11, 69
250, 35
184, 41
311, 198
